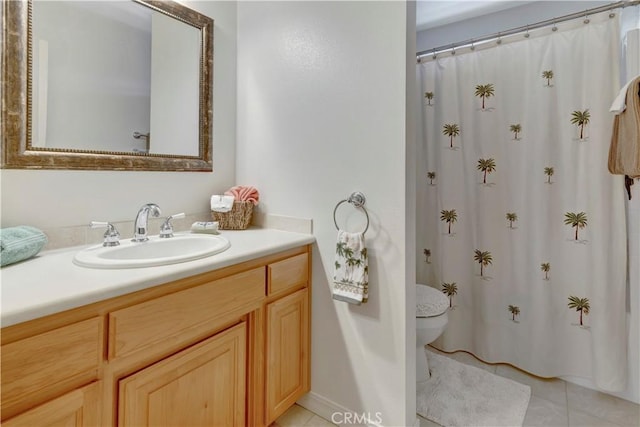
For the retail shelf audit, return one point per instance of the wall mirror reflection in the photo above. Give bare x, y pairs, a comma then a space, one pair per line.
109, 85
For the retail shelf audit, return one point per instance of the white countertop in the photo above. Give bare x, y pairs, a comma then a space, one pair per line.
50, 282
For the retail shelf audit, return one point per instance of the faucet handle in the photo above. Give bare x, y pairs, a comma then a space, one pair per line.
166, 229
111, 236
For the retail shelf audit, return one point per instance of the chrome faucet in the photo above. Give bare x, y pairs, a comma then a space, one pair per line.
111, 236
142, 221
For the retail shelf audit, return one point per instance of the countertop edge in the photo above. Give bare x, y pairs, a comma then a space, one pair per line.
25, 297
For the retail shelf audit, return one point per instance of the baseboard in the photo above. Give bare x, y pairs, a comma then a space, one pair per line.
334, 412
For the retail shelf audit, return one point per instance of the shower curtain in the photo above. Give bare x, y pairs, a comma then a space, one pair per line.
520, 224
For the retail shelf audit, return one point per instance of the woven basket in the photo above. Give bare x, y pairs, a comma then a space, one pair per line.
238, 218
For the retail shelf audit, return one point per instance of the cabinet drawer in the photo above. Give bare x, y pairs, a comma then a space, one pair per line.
44, 366
78, 408
287, 274
169, 322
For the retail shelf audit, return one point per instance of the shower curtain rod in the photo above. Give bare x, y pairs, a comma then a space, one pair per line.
552, 21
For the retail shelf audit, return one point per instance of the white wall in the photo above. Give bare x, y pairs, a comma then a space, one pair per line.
321, 113
531, 13
48, 199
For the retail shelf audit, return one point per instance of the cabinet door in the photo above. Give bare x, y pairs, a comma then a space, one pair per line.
287, 352
75, 409
203, 385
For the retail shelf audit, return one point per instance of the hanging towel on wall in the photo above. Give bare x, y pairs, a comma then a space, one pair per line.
351, 269
624, 152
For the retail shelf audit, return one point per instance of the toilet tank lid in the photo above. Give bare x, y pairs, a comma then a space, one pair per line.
430, 301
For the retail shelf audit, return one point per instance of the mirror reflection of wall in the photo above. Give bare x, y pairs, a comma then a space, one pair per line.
104, 70
174, 87
91, 73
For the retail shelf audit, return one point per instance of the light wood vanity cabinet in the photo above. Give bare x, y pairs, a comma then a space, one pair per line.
287, 335
225, 348
287, 352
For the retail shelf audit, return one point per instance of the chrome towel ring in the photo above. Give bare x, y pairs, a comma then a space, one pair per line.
358, 200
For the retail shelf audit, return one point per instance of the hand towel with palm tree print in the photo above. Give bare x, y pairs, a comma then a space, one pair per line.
351, 270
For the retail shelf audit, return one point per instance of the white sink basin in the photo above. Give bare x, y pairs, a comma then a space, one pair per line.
155, 251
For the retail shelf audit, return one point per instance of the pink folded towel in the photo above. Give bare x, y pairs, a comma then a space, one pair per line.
244, 193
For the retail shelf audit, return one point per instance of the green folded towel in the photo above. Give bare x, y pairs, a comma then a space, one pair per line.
20, 243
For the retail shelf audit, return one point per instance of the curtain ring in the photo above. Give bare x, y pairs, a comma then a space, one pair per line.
434, 54
586, 18
554, 28
612, 15
499, 41
526, 35
472, 46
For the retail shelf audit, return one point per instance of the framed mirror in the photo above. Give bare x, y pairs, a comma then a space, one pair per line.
106, 85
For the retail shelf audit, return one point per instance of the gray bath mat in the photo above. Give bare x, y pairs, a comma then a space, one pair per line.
462, 395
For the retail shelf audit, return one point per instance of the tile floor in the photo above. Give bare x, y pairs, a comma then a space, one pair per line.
554, 403
297, 416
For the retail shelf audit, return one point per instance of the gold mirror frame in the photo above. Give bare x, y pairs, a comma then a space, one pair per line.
17, 152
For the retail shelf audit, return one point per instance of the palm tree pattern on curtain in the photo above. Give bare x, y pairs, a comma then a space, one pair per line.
431, 176
428, 96
581, 305
576, 220
450, 289
515, 311
511, 225
545, 267
451, 130
427, 255
486, 166
581, 119
449, 217
484, 258
484, 92
549, 172
516, 129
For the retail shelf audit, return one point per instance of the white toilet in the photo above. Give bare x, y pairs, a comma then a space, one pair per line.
432, 315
